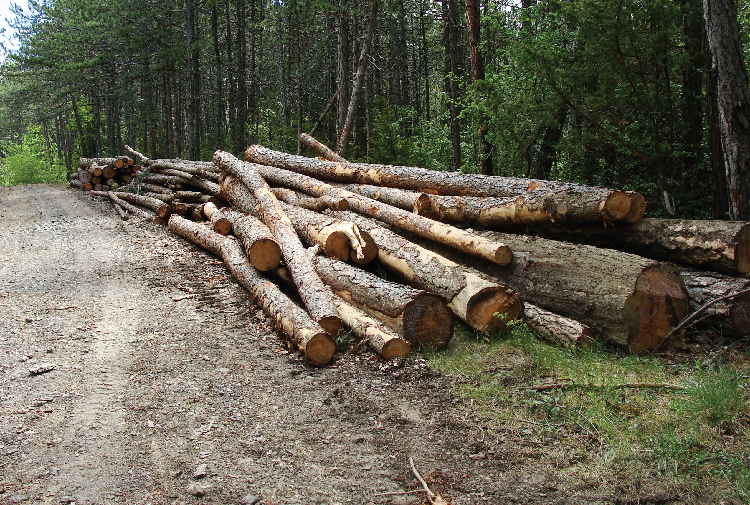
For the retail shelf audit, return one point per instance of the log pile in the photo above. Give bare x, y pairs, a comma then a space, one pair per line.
102, 174
305, 236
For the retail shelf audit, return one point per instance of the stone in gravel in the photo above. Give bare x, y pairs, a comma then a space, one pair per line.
67, 500
249, 499
195, 489
18, 498
42, 368
200, 471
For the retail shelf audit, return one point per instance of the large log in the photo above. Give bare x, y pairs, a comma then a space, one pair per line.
628, 300
261, 248
316, 296
162, 209
557, 328
730, 317
288, 318
423, 318
723, 246
451, 236
484, 305
320, 149
85, 176
602, 203
115, 162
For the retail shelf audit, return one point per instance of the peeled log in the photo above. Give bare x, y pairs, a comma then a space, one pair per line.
474, 299
445, 234
628, 300
423, 318
723, 246
608, 204
729, 316
262, 249
288, 318
320, 149
556, 328
316, 296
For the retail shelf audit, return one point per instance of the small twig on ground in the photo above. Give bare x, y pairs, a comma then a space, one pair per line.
434, 499
396, 493
691, 319
629, 385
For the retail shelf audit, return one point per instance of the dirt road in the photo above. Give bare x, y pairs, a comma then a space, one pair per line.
134, 370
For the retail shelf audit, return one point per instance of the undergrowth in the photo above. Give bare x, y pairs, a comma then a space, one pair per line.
667, 418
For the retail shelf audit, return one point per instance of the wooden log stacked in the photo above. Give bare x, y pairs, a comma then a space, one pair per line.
349, 214
102, 174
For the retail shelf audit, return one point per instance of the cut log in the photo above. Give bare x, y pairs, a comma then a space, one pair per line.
630, 301
484, 305
195, 211
288, 318
204, 185
88, 186
318, 204
119, 209
729, 317
723, 246
321, 150
608, 204
85, 176
204, 169
413, 201
219, 223
556, 328
423, 318
445, 234
316, 296
75, 183
116, 162
162, 209
96, 171
381, 339
261, 247
109, 172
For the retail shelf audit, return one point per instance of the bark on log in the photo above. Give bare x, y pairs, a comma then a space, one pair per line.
261, 247
193, 168
423, 318
85, 176
731, 316
133, 209
288, 318
316, 296
219, 223
204, 185
318, 204
162, 209
628, 300
75, 183
607, 204
321, 150
723, 246
382, 339
470, 296
557, 328
413, 201
116, 162
445, 234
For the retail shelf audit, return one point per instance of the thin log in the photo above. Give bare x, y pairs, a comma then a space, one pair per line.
413, 201
556, 328
423, 318
162, 209
318, 204
219, 223
321, 150
191, 168
316, 296
606, 204
288, 318
120, 211
204, 185
382, 339
451, 236
484, 305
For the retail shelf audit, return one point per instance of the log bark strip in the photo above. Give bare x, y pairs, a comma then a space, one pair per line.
261, 247
729, 317
288, 318
723, 246
204, 185
556, 328
317, 297
470, 296
320, 149
608, 204
423, 318
451, 236
628, 300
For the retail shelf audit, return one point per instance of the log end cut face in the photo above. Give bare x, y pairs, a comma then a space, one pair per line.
331, 324
395, 348
742, 250
617, 206
428, 322
265, 254
637, 207
492, 308
320, 349
369, 249
658, 304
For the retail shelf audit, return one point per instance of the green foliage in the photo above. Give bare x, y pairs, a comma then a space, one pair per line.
31, 162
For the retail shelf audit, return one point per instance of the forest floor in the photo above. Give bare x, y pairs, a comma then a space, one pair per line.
134, 370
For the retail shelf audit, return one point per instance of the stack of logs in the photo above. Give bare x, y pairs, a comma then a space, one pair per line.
103, 174
306, 231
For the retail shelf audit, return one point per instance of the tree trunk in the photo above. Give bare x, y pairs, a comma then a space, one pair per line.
321, 150
729, 316
556, 328
477, 73
288, 318
471, 297
193, 84
452, 77
723, 246
315, 295
733, 100
630, 301
445, 234
612, 205
423, 318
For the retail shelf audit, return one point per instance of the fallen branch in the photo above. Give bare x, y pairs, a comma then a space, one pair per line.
434, 499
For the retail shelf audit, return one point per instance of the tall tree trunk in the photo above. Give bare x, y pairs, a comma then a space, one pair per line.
220, 107
733, 100
193, 81
97, 122
343, 66
241, 119
450, 42
359, 79
281, 58
425, 64
552, 135
477, 73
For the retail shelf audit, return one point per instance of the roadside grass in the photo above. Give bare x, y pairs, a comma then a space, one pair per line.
667, 419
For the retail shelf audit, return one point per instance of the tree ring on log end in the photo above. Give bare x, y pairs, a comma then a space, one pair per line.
337, 246
331, 324
370, 249
490, 309
264, 254
616, 206
428, 322
637, 207
395, 348
742, 250
320, 349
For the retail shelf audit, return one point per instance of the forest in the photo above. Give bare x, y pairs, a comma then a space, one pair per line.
626, 94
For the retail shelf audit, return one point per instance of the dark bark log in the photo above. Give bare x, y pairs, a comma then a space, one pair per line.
723, 246
317, 298
730, 317
470, 296
423, 318
556, 328
321, 150
609, 204
630, 301
288, 318
75, 183
477, 73
317, 204
452, 76
422, 226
